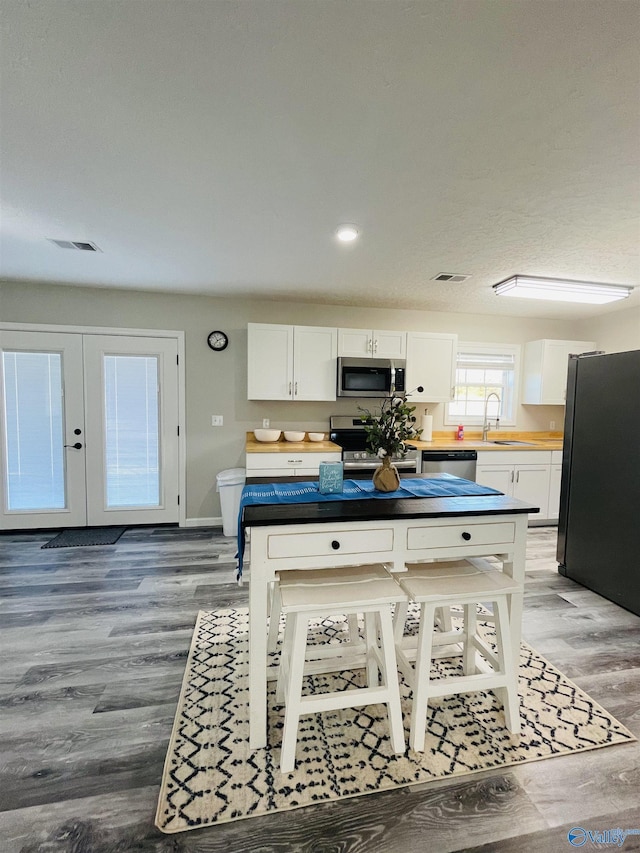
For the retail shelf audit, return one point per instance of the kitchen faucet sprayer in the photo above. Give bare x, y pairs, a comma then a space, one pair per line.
485, 422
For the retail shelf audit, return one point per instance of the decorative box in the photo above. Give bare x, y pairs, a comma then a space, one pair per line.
330, 479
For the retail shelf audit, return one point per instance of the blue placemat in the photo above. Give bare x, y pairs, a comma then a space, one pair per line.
308, 492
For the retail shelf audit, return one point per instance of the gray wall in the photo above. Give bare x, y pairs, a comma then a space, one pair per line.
216, 382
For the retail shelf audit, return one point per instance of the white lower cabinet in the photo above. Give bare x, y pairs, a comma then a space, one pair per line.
283, 464
524, 475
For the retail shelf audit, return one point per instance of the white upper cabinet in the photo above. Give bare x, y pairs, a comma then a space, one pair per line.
367, 343
431, 362
545, 370
291, 362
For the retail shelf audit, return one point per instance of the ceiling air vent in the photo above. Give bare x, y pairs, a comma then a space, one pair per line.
450, 276
75, 244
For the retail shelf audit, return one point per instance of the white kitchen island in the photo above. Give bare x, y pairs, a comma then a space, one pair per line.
390, 531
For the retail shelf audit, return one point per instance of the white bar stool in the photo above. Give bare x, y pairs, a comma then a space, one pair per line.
441, 584
315, 594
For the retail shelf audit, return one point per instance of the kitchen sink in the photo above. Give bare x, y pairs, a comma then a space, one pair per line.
506, 441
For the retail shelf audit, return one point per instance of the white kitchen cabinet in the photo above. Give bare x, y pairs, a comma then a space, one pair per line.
367, 343
431, 362
545, 370
554, 484
521, 474
291, 362
280, 464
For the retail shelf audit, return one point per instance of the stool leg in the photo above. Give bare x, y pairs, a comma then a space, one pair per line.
444, 619
508, 695
371, 643
354, 631
422, 678
470, 628
399, 619
293, 706
390, 675
274, 618
285, 663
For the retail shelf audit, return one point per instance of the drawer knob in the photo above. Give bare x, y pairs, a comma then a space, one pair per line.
466, 535
335, 544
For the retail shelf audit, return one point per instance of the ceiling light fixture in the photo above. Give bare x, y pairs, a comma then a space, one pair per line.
347, 233
559, 290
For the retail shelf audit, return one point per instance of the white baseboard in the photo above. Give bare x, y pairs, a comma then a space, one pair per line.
204, 522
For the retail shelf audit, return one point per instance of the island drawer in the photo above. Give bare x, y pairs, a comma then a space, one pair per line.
322, 544
454, 535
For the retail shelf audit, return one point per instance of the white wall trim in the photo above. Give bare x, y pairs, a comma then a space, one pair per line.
203, 522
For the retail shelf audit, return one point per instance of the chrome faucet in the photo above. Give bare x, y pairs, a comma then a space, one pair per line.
485, 423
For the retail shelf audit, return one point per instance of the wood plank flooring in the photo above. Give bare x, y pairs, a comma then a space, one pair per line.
94, 642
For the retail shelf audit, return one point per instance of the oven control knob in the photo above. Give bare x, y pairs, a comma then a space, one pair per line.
466, 536
335, 544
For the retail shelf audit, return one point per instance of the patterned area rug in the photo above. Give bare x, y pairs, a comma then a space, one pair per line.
211, 775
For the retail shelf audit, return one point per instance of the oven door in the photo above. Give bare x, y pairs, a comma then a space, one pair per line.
363, 470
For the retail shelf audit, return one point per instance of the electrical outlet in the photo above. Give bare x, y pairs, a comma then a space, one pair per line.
216, 420
552, 424
265, 423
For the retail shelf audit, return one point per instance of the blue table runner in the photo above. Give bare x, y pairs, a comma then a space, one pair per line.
308, 492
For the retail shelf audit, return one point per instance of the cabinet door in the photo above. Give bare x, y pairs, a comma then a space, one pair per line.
545, 370
389, 344
315, 351
531, 484
269, 362
496, 476
356, 343
431, 362
553, 509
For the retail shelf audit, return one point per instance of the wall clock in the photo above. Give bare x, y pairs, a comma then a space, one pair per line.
217, 341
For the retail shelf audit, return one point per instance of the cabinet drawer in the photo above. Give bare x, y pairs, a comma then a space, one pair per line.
286, 461
332, 542
450, 536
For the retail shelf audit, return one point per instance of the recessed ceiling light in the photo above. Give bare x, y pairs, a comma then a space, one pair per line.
347, 233
560, 290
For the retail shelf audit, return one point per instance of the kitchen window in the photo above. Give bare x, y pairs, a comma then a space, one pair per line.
481, 369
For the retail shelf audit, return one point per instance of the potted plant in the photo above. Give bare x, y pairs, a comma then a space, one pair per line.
387, 434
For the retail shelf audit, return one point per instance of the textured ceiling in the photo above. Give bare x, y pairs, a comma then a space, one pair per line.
213, 147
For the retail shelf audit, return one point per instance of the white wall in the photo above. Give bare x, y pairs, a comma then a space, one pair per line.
216, 382
617, 331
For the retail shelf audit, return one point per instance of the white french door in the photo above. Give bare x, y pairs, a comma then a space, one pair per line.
89, 429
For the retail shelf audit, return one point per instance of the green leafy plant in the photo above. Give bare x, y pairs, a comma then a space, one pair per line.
388, 431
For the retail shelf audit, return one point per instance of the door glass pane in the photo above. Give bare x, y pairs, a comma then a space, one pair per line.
132, 439
33, 402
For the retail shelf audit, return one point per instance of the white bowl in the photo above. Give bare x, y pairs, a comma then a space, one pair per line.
267, 434
316, 436
292, 435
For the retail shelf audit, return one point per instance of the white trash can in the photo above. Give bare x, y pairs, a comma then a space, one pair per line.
229, 484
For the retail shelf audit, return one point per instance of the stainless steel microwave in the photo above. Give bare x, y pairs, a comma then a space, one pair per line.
371, 377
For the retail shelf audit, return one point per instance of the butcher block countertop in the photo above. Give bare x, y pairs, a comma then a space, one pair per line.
473, 441
441, 441
283, 446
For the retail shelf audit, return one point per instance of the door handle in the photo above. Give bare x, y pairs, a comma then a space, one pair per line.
76, 446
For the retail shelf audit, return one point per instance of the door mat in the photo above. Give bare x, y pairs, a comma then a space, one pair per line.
212, 776
74, 538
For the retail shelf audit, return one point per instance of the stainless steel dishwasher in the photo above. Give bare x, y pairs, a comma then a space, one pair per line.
460, 463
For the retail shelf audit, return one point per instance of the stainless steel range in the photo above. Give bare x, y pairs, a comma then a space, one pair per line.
359, 462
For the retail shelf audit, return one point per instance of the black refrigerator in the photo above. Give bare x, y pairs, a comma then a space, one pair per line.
599, 521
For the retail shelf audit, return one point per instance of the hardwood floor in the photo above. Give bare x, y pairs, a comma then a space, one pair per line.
94, 642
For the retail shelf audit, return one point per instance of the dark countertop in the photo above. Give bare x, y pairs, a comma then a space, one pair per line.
384, 509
